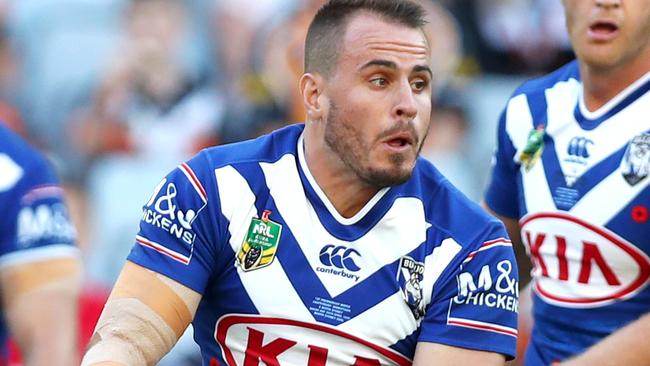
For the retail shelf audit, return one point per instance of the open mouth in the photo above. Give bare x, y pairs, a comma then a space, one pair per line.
603, 30
400, 141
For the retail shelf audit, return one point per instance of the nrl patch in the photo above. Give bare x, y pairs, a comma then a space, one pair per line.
409, 276
533, 149
261, 243
636, 161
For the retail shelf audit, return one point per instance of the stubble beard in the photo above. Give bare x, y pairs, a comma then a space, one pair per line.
347, 143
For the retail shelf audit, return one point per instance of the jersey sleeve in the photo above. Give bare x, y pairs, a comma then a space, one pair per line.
476, 307
36, 223
178, 236
501, 194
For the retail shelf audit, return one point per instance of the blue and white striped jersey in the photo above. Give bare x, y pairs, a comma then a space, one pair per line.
35, 224
578, 183
287, 281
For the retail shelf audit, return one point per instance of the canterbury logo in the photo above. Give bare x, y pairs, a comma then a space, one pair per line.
339, 257
578, 147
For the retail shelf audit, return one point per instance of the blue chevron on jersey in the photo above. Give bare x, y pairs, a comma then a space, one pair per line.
324, 292
581, 207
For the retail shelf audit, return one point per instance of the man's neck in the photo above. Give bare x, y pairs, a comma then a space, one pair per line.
602, 85
343, 188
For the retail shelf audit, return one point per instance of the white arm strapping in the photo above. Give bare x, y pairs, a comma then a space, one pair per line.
130, 333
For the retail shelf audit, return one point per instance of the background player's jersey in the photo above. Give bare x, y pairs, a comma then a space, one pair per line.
286, 280
35, 224
578, 182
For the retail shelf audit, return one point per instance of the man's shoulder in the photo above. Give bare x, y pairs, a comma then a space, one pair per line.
266, 148
19, 160
18, 149
565, 73
448, 209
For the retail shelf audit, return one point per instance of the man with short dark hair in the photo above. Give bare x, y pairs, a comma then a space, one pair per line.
328, 243
571, 175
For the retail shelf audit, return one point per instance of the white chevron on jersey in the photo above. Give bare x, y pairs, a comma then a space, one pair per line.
563, 95
535, 180
11, 172
238, 205
438, 261
519, 110
386, 329
618, 192
301, 217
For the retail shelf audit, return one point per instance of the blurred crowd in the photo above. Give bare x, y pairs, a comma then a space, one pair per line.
118, 92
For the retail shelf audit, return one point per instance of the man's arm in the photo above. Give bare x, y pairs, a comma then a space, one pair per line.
627, 346
40, 300
142, 319
439, 354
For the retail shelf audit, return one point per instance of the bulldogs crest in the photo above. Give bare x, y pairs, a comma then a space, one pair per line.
636, 161
409, 276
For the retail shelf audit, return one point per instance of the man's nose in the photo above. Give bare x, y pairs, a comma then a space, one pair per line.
405, 106
607, 4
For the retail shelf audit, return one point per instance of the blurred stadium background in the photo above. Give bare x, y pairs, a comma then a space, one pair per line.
118, 92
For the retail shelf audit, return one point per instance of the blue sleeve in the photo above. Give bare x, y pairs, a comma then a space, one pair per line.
501, 194
179, 236
476, 308
35, 222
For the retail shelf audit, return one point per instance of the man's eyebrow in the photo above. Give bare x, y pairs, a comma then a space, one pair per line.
392, 65
381, 63
425, 68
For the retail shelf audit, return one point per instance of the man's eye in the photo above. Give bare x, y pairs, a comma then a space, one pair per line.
379, 81
419, 84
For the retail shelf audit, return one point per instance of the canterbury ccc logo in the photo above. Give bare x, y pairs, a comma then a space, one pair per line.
339, 257
578, 147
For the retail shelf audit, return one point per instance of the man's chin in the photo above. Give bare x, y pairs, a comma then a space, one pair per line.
381, 178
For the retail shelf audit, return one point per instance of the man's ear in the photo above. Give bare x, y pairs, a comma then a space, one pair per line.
312, 87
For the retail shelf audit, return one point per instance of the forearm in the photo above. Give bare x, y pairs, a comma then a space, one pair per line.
143, 318
627, 346
52, 337
129, 333
41, 302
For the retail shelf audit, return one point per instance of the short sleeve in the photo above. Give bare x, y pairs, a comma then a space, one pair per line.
177, 236
36, 223
477, 308
501, 194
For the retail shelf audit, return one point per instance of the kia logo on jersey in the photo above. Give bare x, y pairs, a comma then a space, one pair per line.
577, 264
258, 340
